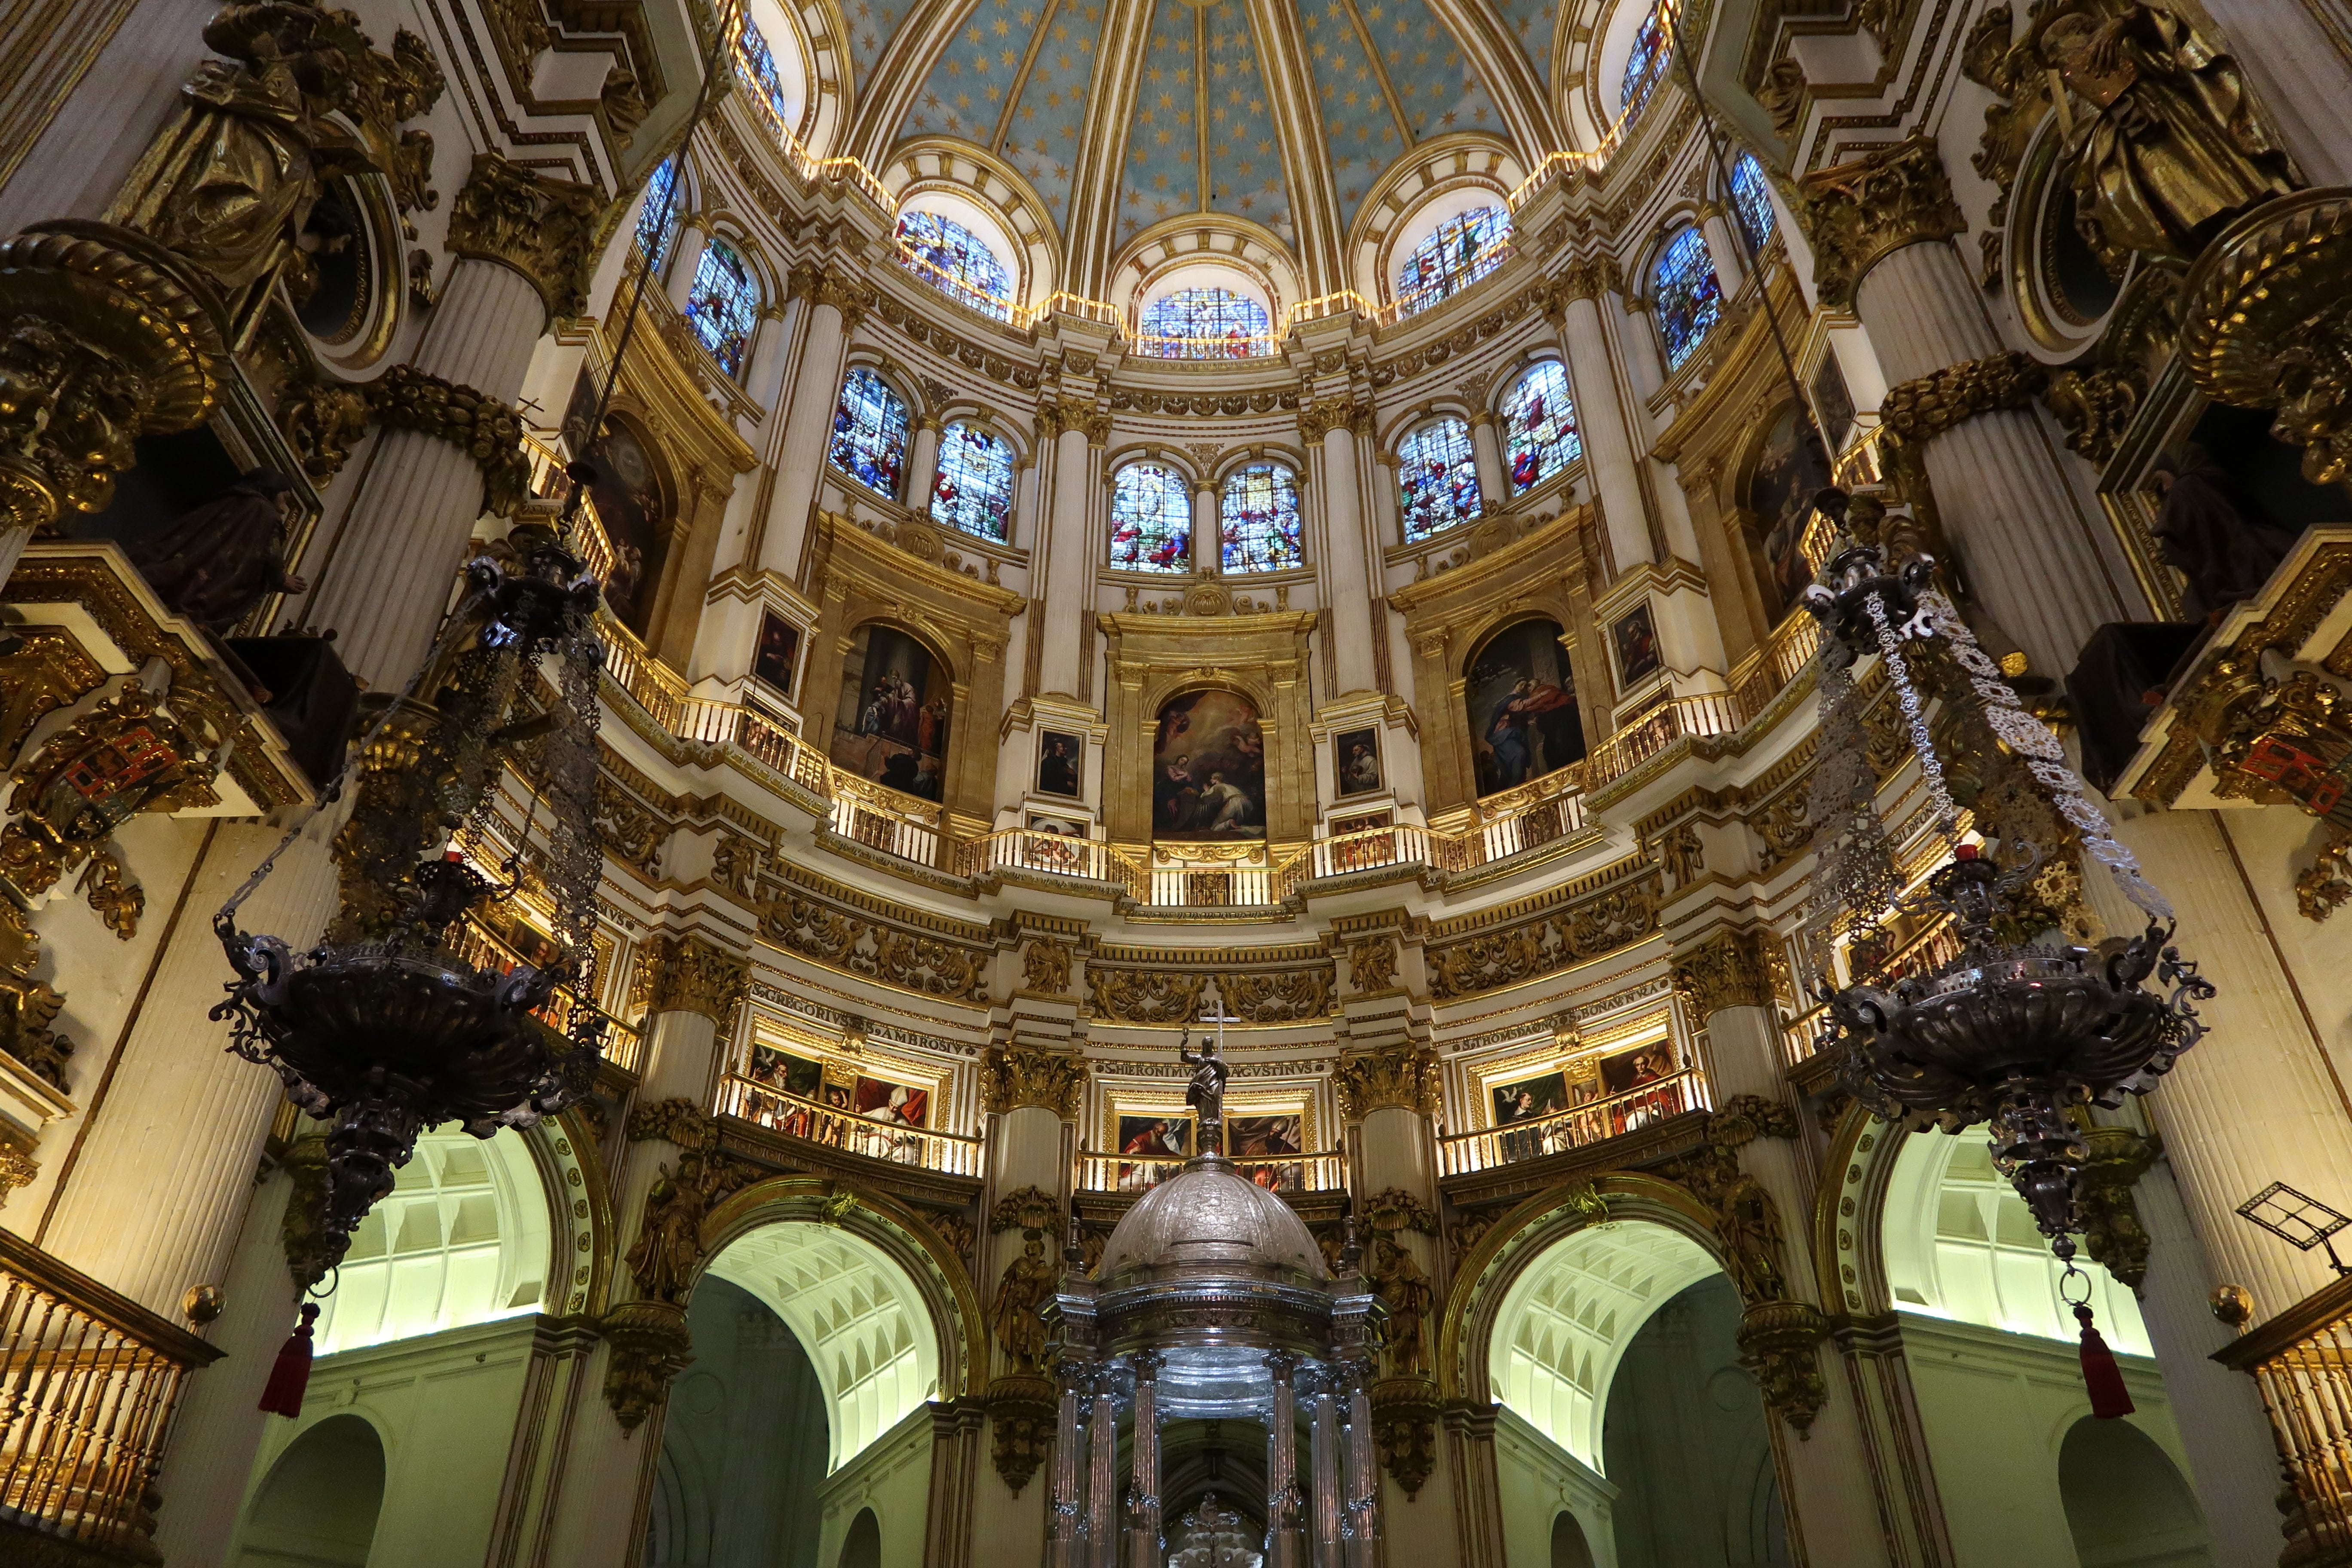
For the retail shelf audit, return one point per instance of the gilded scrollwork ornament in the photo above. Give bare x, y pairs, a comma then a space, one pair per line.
541, 226
1014, 1075
690, 974
28, 1006
1729, 969
2268, 323
1859, 212
1779, 1343
1922, 409
2112, 1232
123, 756
650, 1346
485, 429
1404, 1430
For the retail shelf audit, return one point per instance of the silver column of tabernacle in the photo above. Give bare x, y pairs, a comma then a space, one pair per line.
1281, 1467
1323, 1457
1065, 1524
1363, 1521
1102, 1477
1143, 1543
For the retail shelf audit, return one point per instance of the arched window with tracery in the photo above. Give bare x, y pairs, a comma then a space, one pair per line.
974, 489
1463, 249
1684, 295
1437, 476
955, 261
1645, 64
870, 433
1540, 434
1258, 519
657, 220
1751, 204
1206, 322
1150, 520
723, 306
752, 53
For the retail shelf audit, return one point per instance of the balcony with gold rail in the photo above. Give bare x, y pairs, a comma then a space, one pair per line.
1578, 1127
840, 1130
1100, 1172
2302, 1361
88, 1379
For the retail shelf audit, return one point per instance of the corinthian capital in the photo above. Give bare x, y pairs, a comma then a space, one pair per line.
543, 227
1398, 1077
1864, 209
690, 974
1589, 277
1012, 1077
1729, 969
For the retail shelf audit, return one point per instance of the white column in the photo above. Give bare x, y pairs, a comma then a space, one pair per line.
1723, 247
1486, 448
1069, 563
1610, 453
1347, 567
808, 427
2298, 57
765, 381
2026, 543
923, 467
1208, 530
386, 578
686, 255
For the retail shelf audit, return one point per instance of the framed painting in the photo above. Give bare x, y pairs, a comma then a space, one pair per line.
1634, 640
777, 657
1356, 759
1061, 765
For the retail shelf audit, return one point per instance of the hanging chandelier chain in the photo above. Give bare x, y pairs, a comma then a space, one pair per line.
1898, 676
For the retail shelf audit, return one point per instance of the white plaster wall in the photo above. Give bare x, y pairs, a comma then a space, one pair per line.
893, 1478
1539, 1480
1996, 1407
445, 1406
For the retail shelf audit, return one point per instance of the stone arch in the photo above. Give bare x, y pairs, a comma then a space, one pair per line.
1398, 427
1445, 176
935, 639
1159, 257
320, 1501
967, 181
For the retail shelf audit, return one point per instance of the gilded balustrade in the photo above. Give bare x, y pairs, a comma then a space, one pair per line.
1578, 1127
1100, 1172
2302, 1361
838, 1127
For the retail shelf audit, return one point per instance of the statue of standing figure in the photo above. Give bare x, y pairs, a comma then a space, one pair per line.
1206, 1093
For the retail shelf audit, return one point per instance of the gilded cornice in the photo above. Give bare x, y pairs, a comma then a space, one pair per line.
1069, 412
1014, 1075
1328, 414
541, 226
1595, 914
689, 974
1859, 212
1728, 969
1589, 277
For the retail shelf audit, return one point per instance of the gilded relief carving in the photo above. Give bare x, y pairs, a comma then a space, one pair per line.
1729, 969
1014, 1075
919, 962
1399, 1077
1860, 211
125, 756
484, 428
1045, 965
1922, 409
28, 1006
1126, 996
541, 226
689, 974
1551, 941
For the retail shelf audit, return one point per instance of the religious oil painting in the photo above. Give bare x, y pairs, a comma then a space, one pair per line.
894, 1104
1062, 826
778, 653
1269, 1138
1529, 1099
782, 1071
1635, 639
627, 495
1521, 703
1832, 401
1629, 1070
1356, 759
1208, 768
896, 702
1061, 761
1789, 473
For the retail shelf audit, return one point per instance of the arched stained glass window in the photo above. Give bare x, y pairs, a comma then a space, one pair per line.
1539, 436
1206, 322
1464, 248
1646, 66
723, 306
869, 432
657, 220
955, 261
1150, 520
1686, 295
974, 489
1751, 203
1438, 477
751, 55
1258, 518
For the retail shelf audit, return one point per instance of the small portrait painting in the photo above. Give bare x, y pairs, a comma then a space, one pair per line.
1066, 827
894, 1104
1635, 639
1629, 1070
1208, 768
1263, 1137
1530, 1098
1519, 699
1167, 1137
784, 1071
896, 698
779, 652
1356, 754
1061, 762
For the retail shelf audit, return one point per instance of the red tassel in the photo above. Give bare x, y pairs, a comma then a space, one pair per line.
2104, 1380
289, 1379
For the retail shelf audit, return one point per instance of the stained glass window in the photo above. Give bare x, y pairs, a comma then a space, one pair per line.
723, 306
1540, 427
1684, 294
1150, 520
955, 261
751, 54
974, 489
1258, 519
1464, 248
1438, 476
1645, 66
1751, 204
1205, 323
658, 219
869, 432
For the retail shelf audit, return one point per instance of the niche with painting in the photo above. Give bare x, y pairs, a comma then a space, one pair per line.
632, 506
898, 700
1521, 702
1778, 506
1208, 769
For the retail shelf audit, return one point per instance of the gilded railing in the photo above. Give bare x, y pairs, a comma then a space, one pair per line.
1054, 855
1100, 1172
1578, 1127
839, 1127
2302, 1361
88, 1381
624, 1048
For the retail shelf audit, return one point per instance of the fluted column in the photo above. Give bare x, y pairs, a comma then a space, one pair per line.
1723, 247
1331, 430
1881, 227
2298, 55
1102, 1477
1282, 1544
1323, 1457
1066, 1510
686, 257
1143, 1541
1077, 434
1208, 531
1362, 1527
835, 309
1611, 454
765, 381
1487, 449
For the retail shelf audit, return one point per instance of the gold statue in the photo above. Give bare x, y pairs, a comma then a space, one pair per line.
1028, 1284
669, 1238
2171, 147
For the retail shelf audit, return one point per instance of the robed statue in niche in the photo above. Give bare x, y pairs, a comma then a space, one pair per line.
1208, 768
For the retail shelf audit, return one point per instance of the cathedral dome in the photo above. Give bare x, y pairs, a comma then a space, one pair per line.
1209, 1218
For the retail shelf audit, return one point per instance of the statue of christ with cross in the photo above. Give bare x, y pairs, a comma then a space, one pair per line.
1206, 1093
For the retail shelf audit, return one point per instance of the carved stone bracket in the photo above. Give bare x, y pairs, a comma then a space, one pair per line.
1859, 212
690, 974
1779, 1342
1922, 409
1401, 1077
543, 227
1022, 1412
650, 1347
2112, 1232
1729, 969
1014, 1075
1404, 1429
674, 1120
486, 430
